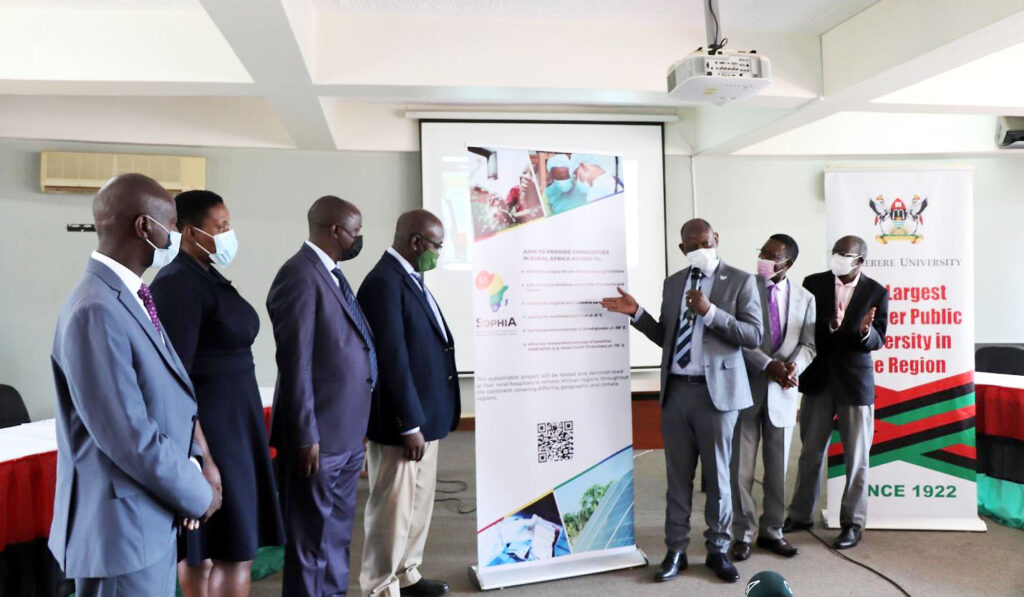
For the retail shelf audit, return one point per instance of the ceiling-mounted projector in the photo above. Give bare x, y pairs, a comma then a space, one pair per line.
718, 77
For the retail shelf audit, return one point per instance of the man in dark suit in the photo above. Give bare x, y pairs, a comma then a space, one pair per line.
852, 314
125, 410
416, 405
709, 311
326, 371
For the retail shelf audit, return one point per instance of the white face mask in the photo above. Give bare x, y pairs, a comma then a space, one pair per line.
165, 255
842, 265
706, 260
226, 245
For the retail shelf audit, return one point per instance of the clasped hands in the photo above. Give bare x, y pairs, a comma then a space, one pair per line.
212, 475
783, 374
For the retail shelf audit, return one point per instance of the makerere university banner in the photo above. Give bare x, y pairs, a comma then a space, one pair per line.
919, 227
554, 453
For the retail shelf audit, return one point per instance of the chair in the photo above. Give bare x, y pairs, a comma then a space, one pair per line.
12, 408
1008, 360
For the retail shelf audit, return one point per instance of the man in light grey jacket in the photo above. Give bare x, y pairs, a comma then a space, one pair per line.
708, 312
787, 349
125, 410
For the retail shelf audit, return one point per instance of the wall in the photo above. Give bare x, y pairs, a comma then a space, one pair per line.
267, 191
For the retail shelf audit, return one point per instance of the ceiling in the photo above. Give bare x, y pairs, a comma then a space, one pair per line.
341, 74
775, 16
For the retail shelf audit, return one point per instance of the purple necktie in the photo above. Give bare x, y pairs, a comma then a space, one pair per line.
147, 301
773, 316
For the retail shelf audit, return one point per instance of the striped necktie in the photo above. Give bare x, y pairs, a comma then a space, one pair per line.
364, 327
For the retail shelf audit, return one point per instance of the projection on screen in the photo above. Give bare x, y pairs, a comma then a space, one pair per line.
478, 191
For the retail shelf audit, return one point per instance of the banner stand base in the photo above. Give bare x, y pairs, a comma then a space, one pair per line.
500, 577
877, 523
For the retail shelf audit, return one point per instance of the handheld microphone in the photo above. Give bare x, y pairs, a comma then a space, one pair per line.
694, 285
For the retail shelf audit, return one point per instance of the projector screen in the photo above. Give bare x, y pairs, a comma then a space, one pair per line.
446, 171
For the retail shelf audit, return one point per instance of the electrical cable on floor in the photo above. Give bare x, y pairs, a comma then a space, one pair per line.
849, 559
462, 486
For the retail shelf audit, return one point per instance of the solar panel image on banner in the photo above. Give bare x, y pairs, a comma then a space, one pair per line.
611, 525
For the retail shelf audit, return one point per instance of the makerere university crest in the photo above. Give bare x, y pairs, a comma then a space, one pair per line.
896, 221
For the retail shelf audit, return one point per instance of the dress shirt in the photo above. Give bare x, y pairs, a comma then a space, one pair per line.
329, 263
782, 301
696, 364
133, 282
844, 292
409, 269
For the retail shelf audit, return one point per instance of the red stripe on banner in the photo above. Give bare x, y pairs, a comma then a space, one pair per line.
962, 450
885, 432
1000, 412
885, 397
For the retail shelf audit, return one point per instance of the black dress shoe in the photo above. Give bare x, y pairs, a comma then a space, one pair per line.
779, 546
848, 537
674, 563
425, 588
719, 562
741, 550
791, 525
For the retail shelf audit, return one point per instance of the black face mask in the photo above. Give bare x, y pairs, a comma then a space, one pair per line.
353, 251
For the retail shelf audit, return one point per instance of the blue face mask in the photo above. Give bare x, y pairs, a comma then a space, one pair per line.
165, 255
562, 185
225, 245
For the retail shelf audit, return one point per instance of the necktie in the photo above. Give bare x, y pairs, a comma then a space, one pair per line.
364, 327
423, 286
682, 353
147, 301
773, 316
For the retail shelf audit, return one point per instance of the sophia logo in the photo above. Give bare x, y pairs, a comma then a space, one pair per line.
896, 221
494, 286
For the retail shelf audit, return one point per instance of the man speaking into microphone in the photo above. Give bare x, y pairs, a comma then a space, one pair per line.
709, 311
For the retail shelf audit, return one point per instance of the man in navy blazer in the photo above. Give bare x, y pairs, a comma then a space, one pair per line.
125, 410
416, 405
326, 371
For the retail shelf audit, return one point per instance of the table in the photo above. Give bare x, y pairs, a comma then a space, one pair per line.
28, 473
1000, 441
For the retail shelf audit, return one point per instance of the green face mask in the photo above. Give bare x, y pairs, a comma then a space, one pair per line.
427, 260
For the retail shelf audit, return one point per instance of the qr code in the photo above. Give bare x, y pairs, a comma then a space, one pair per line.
555, 441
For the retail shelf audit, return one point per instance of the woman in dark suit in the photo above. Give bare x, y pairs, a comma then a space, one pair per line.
212, 328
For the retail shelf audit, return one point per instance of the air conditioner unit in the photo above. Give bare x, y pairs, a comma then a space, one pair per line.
1010, 134
73, 172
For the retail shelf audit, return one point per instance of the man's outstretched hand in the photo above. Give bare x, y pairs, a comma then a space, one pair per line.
624, 303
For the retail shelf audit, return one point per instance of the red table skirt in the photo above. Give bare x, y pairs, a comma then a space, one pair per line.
27, 486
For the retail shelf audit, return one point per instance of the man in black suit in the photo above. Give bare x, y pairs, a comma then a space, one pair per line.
852, 313
416, 404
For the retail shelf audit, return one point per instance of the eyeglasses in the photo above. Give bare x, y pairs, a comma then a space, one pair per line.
437, 246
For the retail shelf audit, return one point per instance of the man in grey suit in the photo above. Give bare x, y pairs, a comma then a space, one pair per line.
326, 371
787, 349
709, 311
125, 410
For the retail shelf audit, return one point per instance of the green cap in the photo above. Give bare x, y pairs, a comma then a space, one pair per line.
768, 584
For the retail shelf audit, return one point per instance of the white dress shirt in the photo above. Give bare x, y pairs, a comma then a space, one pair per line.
409, 269
696, 365
329, 263
133, 282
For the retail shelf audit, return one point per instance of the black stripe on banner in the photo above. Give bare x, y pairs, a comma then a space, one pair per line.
909, 440
954, 459
1001, 458
923, 401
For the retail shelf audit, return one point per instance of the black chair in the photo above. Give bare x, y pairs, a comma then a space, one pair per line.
1008, 360
12, 408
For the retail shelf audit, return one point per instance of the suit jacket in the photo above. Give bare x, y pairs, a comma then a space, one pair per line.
419, 384
843, 365
324, 379
737, 324
125, 412
797, 347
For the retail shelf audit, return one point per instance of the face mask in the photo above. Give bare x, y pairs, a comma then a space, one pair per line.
706, 260
226, 245
842, 265
162, 257
353, 251
427, 260
562, 185
766, 268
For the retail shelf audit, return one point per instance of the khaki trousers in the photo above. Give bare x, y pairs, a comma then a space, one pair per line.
397, 518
